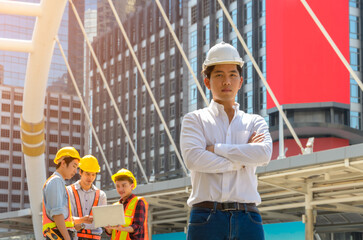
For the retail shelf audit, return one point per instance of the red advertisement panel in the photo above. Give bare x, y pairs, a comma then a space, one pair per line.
301, 66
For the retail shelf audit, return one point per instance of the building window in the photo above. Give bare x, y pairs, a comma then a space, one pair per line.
5, 107
193, 94
219, 27
249, 72
354, 92
248, 13
172, 161
6, 95
151, 24
193, 64
162, 91
193, 41
262, 8
205, 8
172, 62
193, 14
354, 27
355, 120
262, 98
152, 49
248, 38
162, 44
262, 36
162, 163
206, 34
171, 41
162, 138
180, 7
354, 3
262, 63
248, 102
234, 42
162, 68
172, 110
143, 54
355, 58
172, 86
234, 18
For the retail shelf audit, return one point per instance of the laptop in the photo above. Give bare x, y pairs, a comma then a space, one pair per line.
109, 215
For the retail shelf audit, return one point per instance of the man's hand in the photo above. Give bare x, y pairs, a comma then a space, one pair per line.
87, 219
256, 138
119, 228
210, 148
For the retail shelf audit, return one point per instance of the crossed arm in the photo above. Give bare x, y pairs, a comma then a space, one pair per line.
220, 157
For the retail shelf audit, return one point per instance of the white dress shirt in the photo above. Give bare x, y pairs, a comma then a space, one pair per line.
87, 199
228, 174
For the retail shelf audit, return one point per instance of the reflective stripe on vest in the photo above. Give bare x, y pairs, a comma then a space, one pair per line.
47, 222
85, 233
129, 218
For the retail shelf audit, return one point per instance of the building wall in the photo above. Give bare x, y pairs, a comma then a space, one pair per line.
201, 24
159, 59
63, 127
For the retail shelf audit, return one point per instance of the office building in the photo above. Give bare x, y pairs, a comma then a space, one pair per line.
160, 59
63, 127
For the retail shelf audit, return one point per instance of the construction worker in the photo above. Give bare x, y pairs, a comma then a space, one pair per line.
135, 209
84, 195
57, 215
222, 146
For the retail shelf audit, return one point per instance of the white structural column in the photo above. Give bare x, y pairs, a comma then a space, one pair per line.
46, 28
309, 216
20, 8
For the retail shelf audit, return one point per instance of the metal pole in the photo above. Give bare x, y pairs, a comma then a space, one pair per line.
309, 220
281, 137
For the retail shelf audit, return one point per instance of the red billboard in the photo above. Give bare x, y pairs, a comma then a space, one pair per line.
301, 66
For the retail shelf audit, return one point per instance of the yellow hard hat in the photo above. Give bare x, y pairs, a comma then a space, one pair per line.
126, 173
66, 152
89, 164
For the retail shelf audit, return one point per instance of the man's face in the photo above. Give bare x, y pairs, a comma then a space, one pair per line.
87, 178
71, 169
124, 188
224, 83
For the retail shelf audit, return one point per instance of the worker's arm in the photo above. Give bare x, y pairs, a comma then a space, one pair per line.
193, 147
255, 151
61, 226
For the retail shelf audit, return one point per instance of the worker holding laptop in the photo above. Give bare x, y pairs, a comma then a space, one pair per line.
135, 209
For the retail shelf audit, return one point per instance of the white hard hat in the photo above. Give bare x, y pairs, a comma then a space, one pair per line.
222, 53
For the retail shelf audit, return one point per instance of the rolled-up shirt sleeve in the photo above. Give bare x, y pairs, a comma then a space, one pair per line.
193, 147
54, 197
249, 154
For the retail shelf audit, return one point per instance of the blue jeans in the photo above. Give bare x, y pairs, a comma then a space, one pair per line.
211, 224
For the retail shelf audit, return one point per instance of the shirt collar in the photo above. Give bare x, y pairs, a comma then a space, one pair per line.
127, 199
61, 177
217, 108
78, 186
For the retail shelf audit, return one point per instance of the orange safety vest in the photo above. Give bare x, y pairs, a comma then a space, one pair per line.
47, 222
129, 218
85, 233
